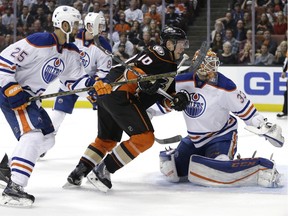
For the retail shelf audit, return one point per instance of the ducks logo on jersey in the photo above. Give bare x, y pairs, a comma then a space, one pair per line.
197, 105
85, 58
52, 69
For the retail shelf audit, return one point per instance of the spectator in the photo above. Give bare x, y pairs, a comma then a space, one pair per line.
249, 36
228, 21
285, 8
120, 53
280, 26
264, 58
269, 42
262, 3
263, 24
218, 28
78, 5
97, 8
133, 13
36, 27
247, 22
122, 26
3, 28
227, 57
239, 31
154, 14
7, 17
217, 44
7, 40
129, 47
145, 26
247, 6
87, 6
134, 34
36, 5
237, 13
277, 5
171, 17
270, 13
48, 24
25, 18
145, 42
229, 37
245, 55
280, 53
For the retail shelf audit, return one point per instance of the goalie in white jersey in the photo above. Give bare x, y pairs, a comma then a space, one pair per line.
27, 67
94, 60
206, 155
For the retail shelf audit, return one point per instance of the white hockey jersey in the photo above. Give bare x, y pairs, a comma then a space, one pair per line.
208, 114
36, 61
95, 61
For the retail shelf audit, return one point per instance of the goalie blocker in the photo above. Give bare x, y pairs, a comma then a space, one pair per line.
218, 173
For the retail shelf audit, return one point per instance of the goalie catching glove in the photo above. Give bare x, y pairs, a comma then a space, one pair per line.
271, 132
179, 103
17, 98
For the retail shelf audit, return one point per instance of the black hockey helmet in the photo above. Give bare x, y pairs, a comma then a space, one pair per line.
174, 34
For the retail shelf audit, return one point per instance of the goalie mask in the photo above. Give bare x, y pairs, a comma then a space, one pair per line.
94, 23
209, 66
66, 14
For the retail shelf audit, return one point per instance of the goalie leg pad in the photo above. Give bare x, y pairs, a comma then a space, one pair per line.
168, 167
234, 173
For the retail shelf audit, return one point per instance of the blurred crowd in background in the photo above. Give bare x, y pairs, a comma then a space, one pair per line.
137, 24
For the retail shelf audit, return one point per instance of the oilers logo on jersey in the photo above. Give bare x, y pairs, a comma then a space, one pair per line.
85, 58
52, 69
197, 105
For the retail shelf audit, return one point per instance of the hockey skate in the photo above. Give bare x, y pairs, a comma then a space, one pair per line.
14, 196
100, 178
270, 178
5, 172
76, 176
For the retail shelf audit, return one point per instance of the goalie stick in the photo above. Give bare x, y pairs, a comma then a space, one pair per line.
169, 140
203, 50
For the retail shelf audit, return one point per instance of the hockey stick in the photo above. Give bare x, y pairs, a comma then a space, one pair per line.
139, 79
169, 140
202, 54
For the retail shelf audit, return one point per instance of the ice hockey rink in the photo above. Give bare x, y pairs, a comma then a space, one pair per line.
139, 188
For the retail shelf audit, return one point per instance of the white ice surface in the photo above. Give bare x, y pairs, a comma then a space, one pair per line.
139, 188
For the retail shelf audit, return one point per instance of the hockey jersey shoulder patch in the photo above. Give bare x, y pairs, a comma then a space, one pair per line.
159, 50
225, 83
41, 39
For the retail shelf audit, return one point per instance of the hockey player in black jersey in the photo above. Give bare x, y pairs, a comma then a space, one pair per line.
123, 108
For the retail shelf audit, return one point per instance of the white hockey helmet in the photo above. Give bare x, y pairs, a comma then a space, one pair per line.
96, 21
66, 14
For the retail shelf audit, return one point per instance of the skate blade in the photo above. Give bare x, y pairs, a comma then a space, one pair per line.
17, 203
98, 184
67, 185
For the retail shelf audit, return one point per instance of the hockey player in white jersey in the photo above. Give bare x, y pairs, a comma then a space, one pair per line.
27, 67
206, 155
95, 62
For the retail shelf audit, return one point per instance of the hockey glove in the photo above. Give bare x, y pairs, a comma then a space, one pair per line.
180, 101
149, 87
17, 98
102, 86
92, 98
